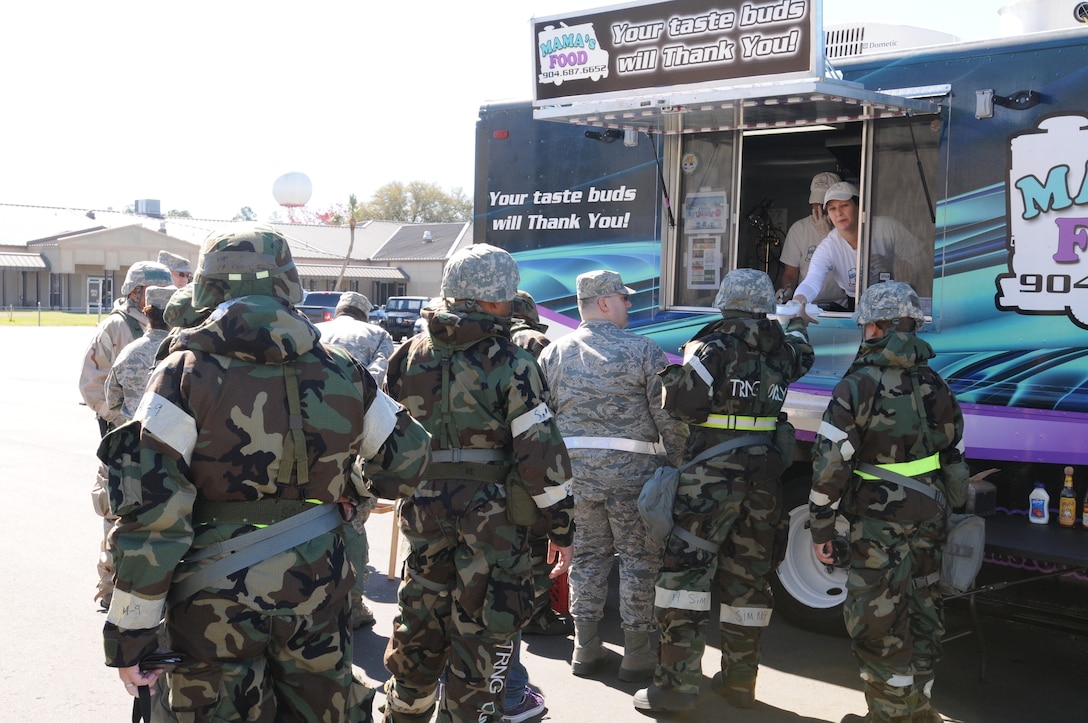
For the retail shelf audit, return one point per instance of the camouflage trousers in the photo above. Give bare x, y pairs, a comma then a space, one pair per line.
726, 521
358, 548
604, 530
895, 619
100, 500
258, 657
542, 566
467, 589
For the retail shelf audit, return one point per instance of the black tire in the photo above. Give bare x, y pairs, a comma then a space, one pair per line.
806, 593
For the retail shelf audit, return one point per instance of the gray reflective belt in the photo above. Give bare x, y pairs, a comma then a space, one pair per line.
470, 455
695, 541
717, 450
249, 549
901, 479
619, 444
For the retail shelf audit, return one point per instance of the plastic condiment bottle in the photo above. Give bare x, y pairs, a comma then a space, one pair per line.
1039, 505
1067, 503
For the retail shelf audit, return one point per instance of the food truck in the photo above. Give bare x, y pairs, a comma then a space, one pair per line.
674, 141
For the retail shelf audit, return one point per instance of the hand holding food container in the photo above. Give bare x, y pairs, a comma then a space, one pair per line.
809, 312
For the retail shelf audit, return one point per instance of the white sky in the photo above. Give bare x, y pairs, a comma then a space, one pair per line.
203, 104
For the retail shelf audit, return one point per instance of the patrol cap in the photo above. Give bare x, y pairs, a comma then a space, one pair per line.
180, 312
748, 290
146, 273
252, 259
820, 183
841, 191
601, 282
159, 296
888, 301
354, 300
482, 272
176, 263
524, 307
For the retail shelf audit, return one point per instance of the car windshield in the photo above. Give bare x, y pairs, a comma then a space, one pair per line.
405, 305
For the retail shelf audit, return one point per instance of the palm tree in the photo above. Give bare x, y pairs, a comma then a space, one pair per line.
354, 214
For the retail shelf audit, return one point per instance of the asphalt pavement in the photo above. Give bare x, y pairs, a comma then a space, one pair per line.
51, 661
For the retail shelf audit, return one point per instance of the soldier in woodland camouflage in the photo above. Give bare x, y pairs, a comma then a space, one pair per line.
728, 510
467, 584
890, 410
526, 330
607, 400
125, 323
248, 421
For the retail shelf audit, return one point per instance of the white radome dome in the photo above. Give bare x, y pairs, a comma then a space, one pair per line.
292, 189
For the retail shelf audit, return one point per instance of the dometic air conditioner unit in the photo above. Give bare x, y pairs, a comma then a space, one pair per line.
861, 39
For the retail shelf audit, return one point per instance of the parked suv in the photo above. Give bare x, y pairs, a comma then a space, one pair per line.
401, 313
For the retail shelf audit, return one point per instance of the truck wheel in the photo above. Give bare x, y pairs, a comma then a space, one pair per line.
805, 592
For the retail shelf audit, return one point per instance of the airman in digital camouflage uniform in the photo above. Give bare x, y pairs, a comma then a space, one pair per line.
179, 268
728, 509
606, 394
371, 346
125, 323
890, 410
467, 584
247, 422
350, 328
131, 369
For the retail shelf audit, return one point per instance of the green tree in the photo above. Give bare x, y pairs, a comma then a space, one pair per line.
174, 213
417, 202
245, 214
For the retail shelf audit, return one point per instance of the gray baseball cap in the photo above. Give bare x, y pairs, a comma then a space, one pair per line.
601, 282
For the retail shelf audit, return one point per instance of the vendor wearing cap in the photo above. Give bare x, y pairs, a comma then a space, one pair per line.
802, 239
894, 252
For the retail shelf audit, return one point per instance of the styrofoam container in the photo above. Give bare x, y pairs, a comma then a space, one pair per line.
784, 312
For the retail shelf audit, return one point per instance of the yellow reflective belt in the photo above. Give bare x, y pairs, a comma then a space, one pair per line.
908, 469
746, 424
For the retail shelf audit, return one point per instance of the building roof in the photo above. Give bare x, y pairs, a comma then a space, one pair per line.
408, 243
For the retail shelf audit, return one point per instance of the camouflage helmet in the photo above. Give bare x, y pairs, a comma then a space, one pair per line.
253, 259
524, 307
887, 301
481, 272
146, 273
748, 290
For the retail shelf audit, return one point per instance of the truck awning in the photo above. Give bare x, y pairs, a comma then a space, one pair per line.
778, 104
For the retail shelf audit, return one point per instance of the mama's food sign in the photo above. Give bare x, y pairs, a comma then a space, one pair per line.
1047, 196
675, 43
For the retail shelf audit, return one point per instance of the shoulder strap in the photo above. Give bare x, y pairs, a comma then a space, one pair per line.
133, 325
901, 479
253, 547
719, 449
294, 446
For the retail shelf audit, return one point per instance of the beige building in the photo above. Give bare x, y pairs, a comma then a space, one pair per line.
75, 259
